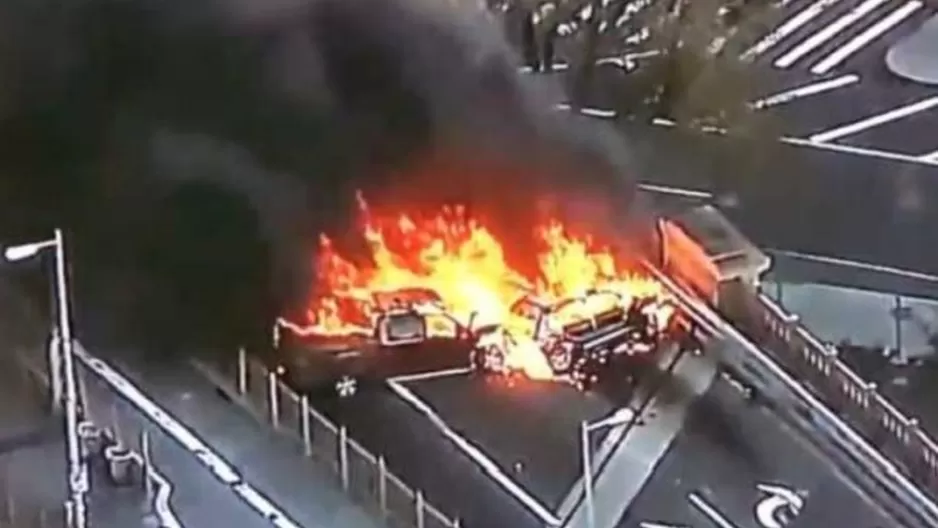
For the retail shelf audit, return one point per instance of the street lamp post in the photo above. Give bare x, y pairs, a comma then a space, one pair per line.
76, 505
620, 417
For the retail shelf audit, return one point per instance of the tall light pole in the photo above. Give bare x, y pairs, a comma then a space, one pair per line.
76, 505
620, 417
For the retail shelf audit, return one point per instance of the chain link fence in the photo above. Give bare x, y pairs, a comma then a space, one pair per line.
361, 474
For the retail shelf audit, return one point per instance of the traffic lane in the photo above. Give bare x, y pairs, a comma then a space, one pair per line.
787, 269
874, 94
913, 135
417, 452
529, 428
728, 447
806, 199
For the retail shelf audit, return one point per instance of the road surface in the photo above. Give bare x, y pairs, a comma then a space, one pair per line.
727, 448
527, 431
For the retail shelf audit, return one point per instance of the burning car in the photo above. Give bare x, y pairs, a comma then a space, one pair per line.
442, 283
578, 336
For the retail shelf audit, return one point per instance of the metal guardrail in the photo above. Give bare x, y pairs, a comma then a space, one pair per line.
895, 435
361, 474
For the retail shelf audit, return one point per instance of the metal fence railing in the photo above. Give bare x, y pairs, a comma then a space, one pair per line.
896, 435
115, 444
362, 475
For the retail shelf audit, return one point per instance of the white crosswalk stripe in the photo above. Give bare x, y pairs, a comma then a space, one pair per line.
822, 35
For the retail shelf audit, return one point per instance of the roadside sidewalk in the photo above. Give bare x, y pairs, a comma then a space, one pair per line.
272, 463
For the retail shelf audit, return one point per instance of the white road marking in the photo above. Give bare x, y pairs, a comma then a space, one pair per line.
827, 33
805, 91
775, 499
476, 455
868, 35
652, 524
591, 112
859, 151
219, 467
930, 160
715, 516
855, 264
787, 28
676, 191
873, 121
436, 374
931, 157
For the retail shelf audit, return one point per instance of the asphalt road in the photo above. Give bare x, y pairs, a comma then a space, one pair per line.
727, 448
527, 430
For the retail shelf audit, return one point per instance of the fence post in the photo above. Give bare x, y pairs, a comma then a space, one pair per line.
343, 456
115, 424
273, 400
304, 425
778, 293
147, 464
242, 371
382, 486
419, 505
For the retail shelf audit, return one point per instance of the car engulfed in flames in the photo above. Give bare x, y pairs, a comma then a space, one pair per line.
446, 276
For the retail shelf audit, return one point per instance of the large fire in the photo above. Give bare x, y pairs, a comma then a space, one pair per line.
459, 258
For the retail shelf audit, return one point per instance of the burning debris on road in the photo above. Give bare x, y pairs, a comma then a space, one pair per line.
446, 275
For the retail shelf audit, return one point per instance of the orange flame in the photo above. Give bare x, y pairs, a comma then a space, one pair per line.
461, 260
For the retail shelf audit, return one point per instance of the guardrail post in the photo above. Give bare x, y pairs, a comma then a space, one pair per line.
869, 390
382, 486
147, 465
242, 371
343, 456
273, 399
419, 505
304, 425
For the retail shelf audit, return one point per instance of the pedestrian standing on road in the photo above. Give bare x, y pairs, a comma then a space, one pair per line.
547, 36
529, 40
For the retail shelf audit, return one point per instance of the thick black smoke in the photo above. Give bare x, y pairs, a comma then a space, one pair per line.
195, 148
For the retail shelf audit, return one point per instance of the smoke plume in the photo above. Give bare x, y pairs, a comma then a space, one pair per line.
195, 148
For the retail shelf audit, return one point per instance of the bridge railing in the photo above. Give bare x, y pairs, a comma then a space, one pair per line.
362, 474
893, 433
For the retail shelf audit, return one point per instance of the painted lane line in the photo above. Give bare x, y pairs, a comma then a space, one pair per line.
653, 524
871, 33
805, 91
675, 191
787, 28
827, 33
873, 121
931, 157
591, 112
222, 470
435, 374
476, 455
712, 513
823, 259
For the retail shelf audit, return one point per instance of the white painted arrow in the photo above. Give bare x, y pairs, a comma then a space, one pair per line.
776, 499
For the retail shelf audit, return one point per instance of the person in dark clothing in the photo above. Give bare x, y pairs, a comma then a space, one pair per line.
529, 47
547, 50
